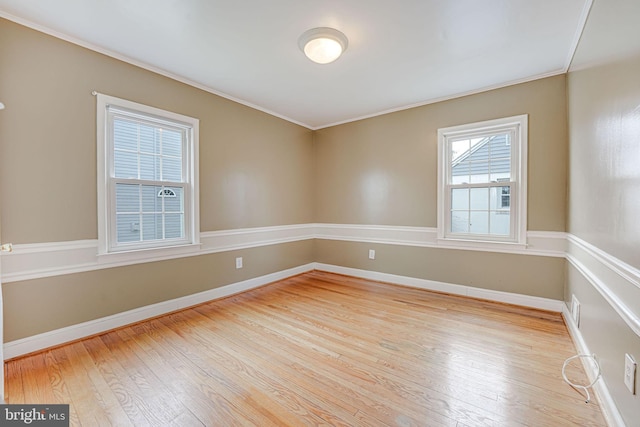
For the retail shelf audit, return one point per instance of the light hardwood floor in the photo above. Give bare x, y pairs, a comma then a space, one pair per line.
318, 349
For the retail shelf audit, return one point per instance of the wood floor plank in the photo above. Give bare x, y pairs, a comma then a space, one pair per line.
203, 400
318, 349
14, 392
59, 386
363, 376
35, 379
397, 350
521, 355
329, 374
152, 390
92, 399
249, 372
216, 382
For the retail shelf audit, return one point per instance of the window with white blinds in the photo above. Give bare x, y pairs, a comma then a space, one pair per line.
147, 178
482, 181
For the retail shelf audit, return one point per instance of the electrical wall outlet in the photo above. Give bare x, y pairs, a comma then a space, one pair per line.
575, 310
239, 262
372, 254
630, 373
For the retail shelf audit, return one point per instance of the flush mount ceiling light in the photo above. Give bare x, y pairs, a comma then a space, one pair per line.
323, 45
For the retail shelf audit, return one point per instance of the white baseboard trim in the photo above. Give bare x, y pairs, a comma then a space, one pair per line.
609, 409
56, 337
431, 285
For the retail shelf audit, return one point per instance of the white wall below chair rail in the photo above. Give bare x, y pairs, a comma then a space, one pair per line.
38, 260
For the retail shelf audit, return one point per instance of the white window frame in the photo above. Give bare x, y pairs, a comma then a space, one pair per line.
107, 242
518, 127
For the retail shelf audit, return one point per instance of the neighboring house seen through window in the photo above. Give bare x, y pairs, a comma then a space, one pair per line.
147, 179
482, 181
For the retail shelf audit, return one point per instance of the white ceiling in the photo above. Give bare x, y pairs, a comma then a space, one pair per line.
401, 53
612, 34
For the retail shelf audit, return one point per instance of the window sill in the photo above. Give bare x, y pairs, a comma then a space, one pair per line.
139, 256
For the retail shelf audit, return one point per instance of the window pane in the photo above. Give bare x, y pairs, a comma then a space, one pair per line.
126, 164
151, 199
481, 159
500, 198
500, 176
171, 169
501, 168
479, 198
460, 221
174, 203
152, 226
501, 145
460, 179
125, 135
500, 148
480, 150
148, 139
459, 148
478, 171
479, 222
459, 161
505, 197
174, 226
149, 167
172, 143
499, 223
159, 136
494, 198
127, 198
460, 198
128, 228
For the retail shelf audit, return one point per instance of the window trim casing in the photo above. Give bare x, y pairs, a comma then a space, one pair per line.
106, 194
518, 197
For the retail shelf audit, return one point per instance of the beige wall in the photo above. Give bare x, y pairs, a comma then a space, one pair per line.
604, 190
383, 170
604, 202
255, 169
522, 274
604, 208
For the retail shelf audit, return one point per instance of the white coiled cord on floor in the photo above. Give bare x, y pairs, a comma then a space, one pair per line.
579, 386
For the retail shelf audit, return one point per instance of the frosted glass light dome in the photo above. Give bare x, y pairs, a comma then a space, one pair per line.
323, 45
